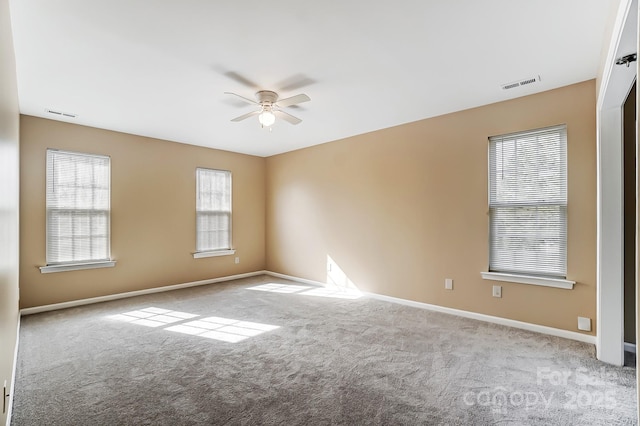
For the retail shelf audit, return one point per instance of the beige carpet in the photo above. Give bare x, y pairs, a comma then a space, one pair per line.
266, 351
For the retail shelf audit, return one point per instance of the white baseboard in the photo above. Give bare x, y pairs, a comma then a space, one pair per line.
630, 347
466, 314
12, 387
489, 318
81, 302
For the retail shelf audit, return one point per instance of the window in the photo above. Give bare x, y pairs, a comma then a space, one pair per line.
78, 209
528, 203
213, 212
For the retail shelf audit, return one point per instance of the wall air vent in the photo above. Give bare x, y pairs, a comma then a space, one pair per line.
520, 83
60, 113
511, 85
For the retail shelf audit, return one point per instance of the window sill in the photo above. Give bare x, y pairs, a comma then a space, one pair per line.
200, 254
76, 266
528, 279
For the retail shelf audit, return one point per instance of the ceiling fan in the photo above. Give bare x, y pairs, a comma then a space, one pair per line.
270, 107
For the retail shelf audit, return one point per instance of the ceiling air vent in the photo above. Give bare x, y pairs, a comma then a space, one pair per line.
60, 113
520, 83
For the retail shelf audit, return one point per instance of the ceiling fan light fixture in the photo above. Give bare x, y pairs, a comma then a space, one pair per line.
266, 118
268, 104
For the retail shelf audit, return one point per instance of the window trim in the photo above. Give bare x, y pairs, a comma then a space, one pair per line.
52, 267
198, 254
63, 267
213, 253
529, 277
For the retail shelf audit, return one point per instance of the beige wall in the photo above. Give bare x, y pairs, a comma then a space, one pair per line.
9, 161
152, 213
400, 210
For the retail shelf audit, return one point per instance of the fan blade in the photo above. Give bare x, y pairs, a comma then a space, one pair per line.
252, 102
295, 82
247, 115
241, 79
293, 100
287, 117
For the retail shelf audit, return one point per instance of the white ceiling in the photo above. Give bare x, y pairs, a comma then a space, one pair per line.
159, 68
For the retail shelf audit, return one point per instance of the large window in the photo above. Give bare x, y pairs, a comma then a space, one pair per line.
528, 202
213, 210
78, 208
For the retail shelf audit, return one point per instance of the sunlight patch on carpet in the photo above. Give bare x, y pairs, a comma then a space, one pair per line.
338, 293
279, 288
225, 329
329, 291
217, 328
152, 317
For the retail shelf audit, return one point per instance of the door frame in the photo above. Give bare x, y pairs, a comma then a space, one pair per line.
616, 83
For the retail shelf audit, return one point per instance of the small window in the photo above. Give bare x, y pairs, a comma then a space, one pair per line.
78, 208
213, 210
528, 203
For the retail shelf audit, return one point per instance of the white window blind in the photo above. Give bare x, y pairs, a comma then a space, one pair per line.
78, 207
528, 202
213, 210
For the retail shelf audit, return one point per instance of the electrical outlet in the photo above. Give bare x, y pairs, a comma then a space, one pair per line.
448, 283
237, 260
584, 324
497, 291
